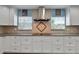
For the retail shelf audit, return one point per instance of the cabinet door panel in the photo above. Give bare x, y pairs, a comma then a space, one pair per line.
26, 49
57, 49
37, 44
4, 15
69, 41
26, 40
11, 16
69, 49
11, 44
15, 41
74, 14
57, 40
6, 45
1, 45
14, 49
76, 38
46, 45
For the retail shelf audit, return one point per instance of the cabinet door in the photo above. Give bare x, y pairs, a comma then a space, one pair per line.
12, 44
26, 44
57, 45
67, 16
15, 41
46, 44
26, 40
1, 46
37, 44
13, 17
76, 38
69, 41
74, 15
15, 44
57, 40
69, 44
6, 43
4, 15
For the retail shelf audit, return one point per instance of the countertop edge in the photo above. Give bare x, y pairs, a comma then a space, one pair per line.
38, 35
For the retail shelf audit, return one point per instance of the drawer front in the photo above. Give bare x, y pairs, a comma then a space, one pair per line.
14, 40
77, 49
15, 43
57, 40
26, 49
37, 49
12, 44
69, 42
46, 45
6, 44
46, 49
37, 45
26, 40
1, 45
76, 40
37, 40
13, 49
69, 49
57, 49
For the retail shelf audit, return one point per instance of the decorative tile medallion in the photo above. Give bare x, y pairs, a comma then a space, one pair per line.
41, 26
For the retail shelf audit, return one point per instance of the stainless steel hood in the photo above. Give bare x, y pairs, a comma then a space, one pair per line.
41, 12
41, 16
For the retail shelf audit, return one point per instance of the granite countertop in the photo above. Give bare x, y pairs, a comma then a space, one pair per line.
39, 35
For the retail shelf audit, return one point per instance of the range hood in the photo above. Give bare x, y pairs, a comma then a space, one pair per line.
41, 25
41, 14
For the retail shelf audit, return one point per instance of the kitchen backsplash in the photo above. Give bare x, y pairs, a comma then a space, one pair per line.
14, 30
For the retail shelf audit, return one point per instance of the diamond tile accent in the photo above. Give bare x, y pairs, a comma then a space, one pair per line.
41, 26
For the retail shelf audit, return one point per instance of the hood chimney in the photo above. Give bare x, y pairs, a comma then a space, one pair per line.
41, 12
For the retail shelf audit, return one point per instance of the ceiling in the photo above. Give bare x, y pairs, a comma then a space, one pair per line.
36, 6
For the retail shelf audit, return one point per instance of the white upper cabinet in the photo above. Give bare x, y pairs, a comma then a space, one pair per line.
67, 16
13, 16
4, 15
7, 16
74, 15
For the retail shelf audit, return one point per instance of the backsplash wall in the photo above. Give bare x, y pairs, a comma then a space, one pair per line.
14, 30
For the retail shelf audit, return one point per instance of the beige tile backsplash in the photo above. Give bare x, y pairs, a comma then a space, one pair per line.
12, 30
